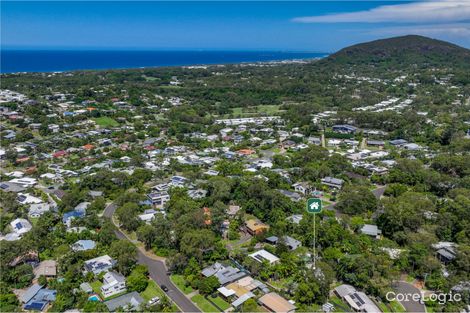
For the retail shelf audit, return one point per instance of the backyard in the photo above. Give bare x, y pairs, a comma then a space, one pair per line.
105, 121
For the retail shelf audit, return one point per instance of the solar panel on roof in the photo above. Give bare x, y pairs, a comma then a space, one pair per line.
35, 306
4, 186
19, 225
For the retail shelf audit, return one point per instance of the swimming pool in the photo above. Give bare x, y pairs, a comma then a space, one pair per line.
94, 297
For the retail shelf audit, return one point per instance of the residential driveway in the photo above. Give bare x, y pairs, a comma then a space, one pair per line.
407, 288
157, 271
243, 238
379, 191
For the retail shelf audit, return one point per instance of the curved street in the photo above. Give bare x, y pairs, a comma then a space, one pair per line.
157, 271
410, 305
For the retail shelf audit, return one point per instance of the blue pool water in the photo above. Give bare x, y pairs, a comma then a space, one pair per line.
94, 298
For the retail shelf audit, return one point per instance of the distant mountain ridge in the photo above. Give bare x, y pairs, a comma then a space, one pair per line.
404, 50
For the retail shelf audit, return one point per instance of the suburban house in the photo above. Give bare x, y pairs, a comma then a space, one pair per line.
296, 218
225, 274
36, 298
371, 230
376, 143
83, 245
113, 283
263, 255
159, 198
255, 227
197, 193
130, 302
232, 210
47, 268
412, 146
344, 129
241, 290
302, 187
332, 182
275, 303
287, 240
357, 300
38, 209
398, 142
148, 216
21, 226
100, 264
71, 215
86, 287
294, 196
445, 251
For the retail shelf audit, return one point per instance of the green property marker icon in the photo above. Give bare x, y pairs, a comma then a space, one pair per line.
314, 205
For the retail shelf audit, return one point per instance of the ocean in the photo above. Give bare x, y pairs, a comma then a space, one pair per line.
13, 61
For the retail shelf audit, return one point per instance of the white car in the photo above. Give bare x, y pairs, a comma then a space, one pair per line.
154, 300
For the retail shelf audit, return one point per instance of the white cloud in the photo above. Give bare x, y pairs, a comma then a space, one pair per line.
433, 11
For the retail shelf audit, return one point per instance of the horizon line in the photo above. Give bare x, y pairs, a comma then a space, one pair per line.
156, 49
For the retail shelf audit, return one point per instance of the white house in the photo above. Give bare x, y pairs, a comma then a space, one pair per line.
159, 198
21, 226
100, 264
263, 255
302, 187
38, 209
113, 283
26, 198
148, 216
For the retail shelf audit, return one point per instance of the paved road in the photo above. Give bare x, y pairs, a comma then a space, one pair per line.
157, 271
410, 306
378, 192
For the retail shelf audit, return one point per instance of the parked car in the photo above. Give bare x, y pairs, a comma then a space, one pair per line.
154, 300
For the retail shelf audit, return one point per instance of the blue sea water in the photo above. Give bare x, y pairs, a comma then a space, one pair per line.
13, 61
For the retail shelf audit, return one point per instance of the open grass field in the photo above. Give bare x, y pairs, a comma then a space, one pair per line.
254, 111
105, 121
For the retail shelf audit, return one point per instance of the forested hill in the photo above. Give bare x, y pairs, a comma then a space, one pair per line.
402, 51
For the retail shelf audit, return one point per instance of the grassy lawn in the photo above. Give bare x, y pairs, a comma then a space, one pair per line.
256, 110
34, 220
150, 79
383, 307
153, 290
105, 121
180, 282
115, 296
340, 306
96, 286
203, 304
397, 307
221, 303
280, 284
